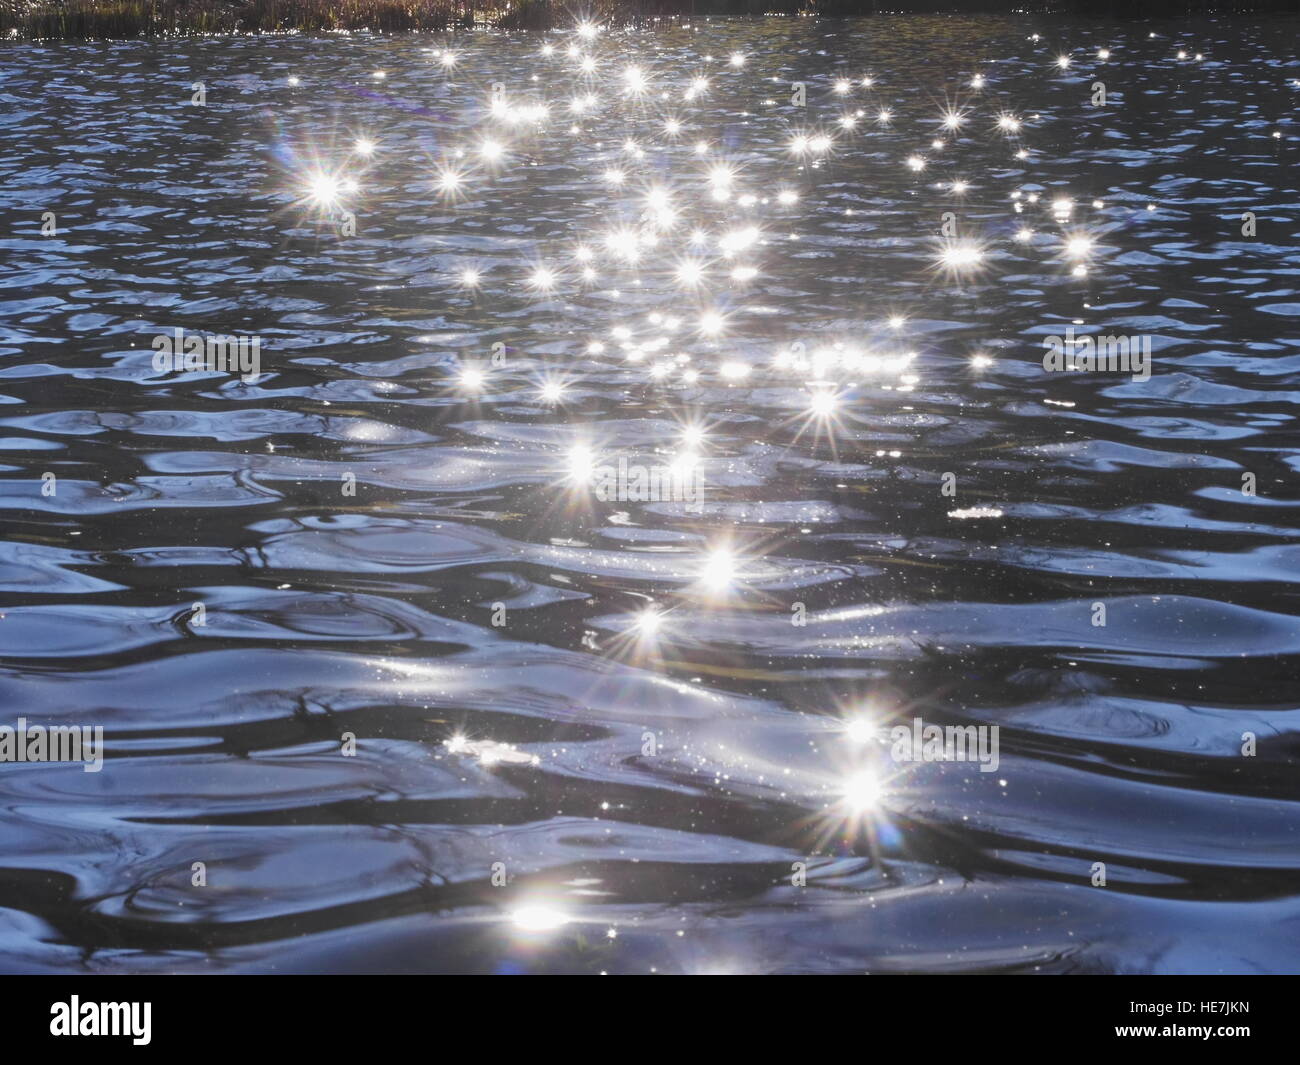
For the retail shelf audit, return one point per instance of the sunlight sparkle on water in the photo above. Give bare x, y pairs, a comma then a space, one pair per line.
719, 570
648, 621
538, 919
960, 256
862, 791
823, 403
712, 323
552, 391
580, 463
324, 189
542, 278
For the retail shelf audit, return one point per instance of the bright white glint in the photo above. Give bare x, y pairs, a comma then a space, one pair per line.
823, 403
862, 792
719, 570
538, 919
542, 278
690, 272
580, 462
323, 189
961, 256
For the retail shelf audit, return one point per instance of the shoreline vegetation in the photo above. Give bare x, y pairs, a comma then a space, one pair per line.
124, 19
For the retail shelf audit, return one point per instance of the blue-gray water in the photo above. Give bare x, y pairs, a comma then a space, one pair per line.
392, 534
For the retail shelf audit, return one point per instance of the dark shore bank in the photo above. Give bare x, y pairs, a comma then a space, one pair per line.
117, 19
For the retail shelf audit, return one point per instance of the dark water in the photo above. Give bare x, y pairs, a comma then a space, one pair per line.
649, 793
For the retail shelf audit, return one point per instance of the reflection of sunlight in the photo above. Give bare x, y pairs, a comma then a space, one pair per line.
1078, 247
580, 464
449, 181
823, 403
537, 918
552, 390
490, 752
542, 279
712, 323
635, 80
690, 272
472, 379
862, 792
694, 435
860, 729
718, 571
952, 120
324, 189
959, 257
648, 621
647, 182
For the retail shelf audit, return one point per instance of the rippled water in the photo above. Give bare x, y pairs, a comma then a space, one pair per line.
393, 534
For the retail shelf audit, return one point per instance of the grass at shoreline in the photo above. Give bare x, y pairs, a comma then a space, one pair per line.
119, 19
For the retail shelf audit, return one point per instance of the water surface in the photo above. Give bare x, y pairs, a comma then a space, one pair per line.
392, 536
